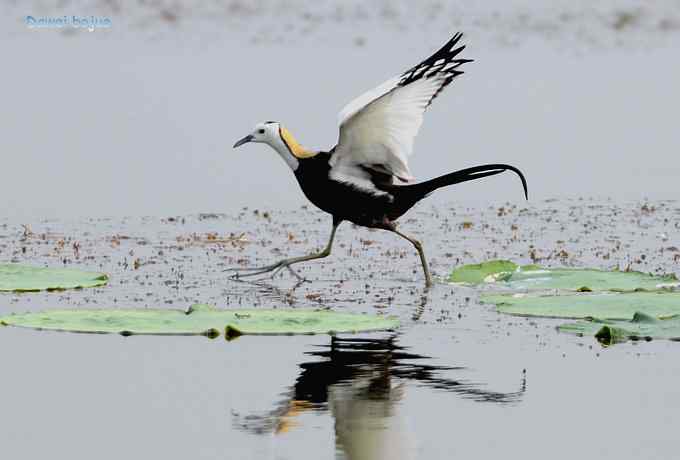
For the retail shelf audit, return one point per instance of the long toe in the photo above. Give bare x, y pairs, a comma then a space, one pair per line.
251, 269
300, 278
254, 272
287, 265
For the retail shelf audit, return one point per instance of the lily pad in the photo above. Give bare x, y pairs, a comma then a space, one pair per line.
586, 280
201, 320
641, 327
607, 305
509, 276
486, 272
628, 303
22, 278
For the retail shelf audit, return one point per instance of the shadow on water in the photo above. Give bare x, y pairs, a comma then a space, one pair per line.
361, 382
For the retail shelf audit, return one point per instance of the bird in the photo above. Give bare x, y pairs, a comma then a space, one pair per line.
365, 179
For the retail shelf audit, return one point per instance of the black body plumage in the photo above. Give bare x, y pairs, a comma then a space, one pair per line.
344, 201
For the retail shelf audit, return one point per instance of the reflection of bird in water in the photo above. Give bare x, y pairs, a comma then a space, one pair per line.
368, 421
365, 178
361, 382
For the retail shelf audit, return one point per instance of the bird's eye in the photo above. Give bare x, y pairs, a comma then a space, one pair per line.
261, 131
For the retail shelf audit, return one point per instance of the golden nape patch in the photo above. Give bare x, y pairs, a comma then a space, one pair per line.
295, 148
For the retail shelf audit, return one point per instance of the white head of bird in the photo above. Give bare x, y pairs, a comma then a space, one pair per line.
280, 139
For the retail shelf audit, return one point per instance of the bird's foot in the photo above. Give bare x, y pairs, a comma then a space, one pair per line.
246, 272
299, 277
274, 269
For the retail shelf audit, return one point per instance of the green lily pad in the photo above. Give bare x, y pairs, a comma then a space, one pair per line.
628, 303
486, 272
586, 280
22, 278
509, 276
201, 320
641, 327
607, 305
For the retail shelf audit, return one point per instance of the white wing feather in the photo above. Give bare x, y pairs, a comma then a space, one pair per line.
369, 96
378, 128
383, 132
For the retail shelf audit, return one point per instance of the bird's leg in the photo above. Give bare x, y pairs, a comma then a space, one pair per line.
286, 263
421, 253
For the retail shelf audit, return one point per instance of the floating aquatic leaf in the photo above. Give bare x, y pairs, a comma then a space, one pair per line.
202, 320
587, 280
508, 276
491, 271
607, 305
21, 278
641, 327
571, 292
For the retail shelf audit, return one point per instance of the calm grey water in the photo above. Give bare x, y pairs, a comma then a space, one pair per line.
101, 129
457, 379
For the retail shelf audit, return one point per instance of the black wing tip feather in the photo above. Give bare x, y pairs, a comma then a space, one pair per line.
443, 61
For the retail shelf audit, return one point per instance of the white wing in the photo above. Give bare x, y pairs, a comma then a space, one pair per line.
378, 128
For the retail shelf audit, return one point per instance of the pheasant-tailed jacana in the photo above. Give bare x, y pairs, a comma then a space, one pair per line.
365, 178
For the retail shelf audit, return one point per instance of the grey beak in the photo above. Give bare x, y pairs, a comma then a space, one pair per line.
245, 140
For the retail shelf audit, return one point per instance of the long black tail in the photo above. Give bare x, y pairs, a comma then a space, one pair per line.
411, 194
408, 195
464, 175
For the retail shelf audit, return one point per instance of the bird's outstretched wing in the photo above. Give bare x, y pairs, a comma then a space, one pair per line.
377, 129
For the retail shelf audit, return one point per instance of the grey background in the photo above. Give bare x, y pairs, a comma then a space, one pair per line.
139, 119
